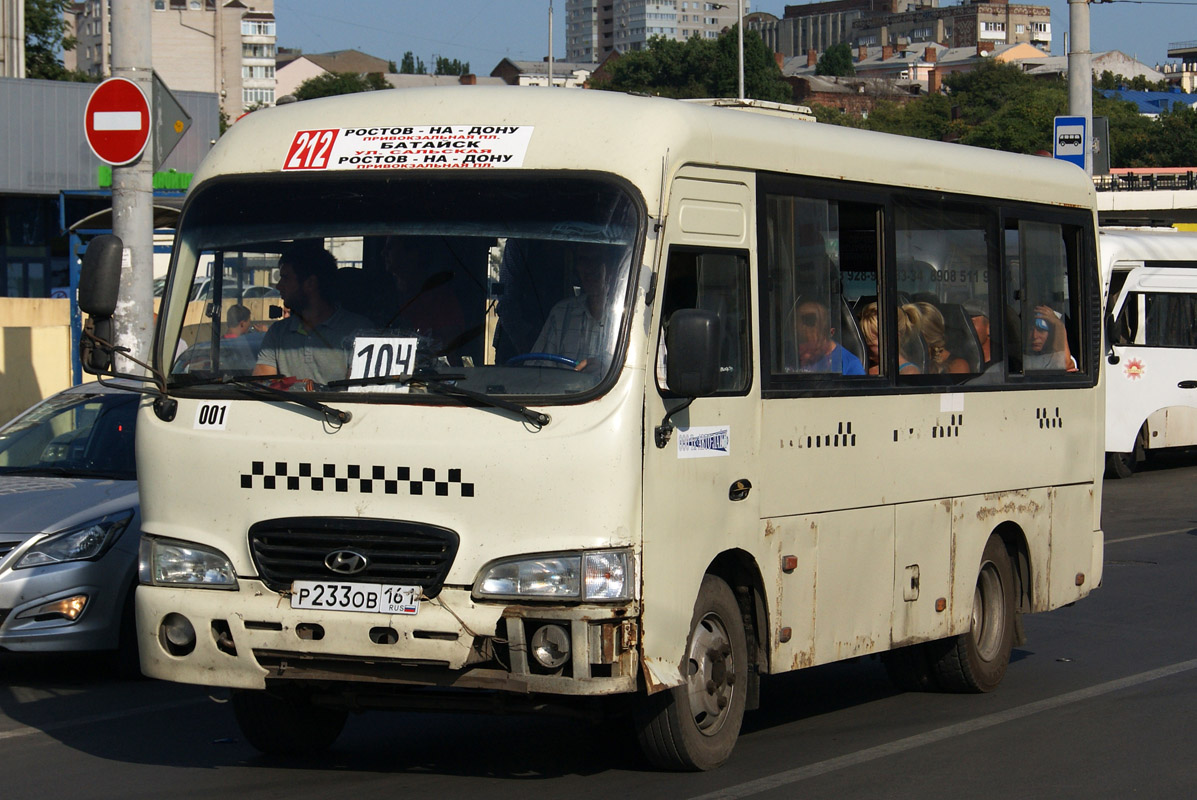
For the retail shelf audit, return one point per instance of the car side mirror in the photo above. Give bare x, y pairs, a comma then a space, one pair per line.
692, 344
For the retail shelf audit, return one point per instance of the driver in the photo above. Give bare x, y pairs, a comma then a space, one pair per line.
578, 327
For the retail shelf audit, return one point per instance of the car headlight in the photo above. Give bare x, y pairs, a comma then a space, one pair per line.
592, 576
82, 543
165, 562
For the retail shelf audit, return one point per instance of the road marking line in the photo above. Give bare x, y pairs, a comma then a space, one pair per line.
1149, 535
930, 737
109, 717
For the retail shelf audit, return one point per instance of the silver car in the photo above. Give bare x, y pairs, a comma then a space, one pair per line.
69, 524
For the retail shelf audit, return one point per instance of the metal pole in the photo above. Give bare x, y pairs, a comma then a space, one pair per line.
133, 190
740, 45
1080, 73
550, 44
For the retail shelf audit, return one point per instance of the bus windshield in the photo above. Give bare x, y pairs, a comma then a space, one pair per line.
375, 285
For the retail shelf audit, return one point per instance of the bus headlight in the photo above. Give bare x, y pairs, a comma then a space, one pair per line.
164, 562
604, 575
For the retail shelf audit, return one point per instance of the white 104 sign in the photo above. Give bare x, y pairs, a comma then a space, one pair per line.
382, 357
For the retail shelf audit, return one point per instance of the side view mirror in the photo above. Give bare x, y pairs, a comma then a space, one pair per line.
692, 361
100, 276
99, 285
693, 352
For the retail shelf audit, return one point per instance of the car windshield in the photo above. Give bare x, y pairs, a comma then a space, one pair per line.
73, 435
500, 286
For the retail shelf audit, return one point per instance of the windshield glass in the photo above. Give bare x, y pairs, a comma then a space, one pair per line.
503, 286
76, 435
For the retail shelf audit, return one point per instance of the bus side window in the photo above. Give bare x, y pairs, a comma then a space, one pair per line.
1043, 303
713, 281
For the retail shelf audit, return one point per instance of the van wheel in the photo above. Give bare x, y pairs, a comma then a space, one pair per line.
289, 724
694, 726
976, 661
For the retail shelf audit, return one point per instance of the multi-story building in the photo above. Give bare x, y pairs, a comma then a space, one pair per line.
902, 23
596, 28
221, 46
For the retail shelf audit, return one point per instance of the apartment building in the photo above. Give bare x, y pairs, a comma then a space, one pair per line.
596, 28
903, 23
222, 46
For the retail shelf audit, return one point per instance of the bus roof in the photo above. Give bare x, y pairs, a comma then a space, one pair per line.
630, 135
1161, 244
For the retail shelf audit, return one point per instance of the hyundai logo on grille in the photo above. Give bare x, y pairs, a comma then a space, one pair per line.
345, 562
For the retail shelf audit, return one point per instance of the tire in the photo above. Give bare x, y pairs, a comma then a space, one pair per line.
976, 661
909, 668
1123, 465
128, 655
694, 726
278, 724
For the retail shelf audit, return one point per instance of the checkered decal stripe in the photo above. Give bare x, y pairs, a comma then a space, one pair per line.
306, 476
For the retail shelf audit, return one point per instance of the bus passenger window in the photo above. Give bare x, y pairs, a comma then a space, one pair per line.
713, 281
821, 258
1043, 305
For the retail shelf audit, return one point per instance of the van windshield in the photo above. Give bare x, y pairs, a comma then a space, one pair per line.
502, 286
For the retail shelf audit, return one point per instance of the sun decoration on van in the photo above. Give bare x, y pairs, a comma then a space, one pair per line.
1134, 369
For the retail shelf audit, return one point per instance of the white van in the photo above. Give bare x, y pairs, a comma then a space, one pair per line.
1151, 383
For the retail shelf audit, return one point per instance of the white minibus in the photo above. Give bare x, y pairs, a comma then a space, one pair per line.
613, 404
1151, 385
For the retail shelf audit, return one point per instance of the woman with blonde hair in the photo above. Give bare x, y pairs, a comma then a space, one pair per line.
908, 332
930, 322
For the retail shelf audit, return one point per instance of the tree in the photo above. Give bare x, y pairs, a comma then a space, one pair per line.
445, 66
333, 83
45, 36
410, 65
836, 61
698, 67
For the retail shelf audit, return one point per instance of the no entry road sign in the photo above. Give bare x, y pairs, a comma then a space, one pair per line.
117, 121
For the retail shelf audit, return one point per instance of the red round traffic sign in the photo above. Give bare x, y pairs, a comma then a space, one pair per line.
117, 121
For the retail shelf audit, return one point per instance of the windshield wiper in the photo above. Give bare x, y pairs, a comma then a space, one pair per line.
252, 386
442, 384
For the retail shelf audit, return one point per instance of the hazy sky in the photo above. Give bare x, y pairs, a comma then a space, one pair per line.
483, 32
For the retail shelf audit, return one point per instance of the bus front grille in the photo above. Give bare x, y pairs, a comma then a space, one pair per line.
328, 549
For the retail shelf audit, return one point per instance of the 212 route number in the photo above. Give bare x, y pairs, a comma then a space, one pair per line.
310, 150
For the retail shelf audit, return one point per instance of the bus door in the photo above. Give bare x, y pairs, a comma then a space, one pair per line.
699, 499
1155, 380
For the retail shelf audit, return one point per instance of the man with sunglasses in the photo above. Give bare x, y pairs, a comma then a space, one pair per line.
817, 350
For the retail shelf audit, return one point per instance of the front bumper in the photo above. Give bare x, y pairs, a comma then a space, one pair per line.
252, 637
97, 628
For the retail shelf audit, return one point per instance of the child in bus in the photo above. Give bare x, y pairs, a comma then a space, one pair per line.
817, 350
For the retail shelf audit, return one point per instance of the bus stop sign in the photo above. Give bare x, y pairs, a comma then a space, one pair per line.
117, 121
1070, 139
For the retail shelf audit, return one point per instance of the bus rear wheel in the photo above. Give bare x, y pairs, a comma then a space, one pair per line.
694, 726
976, 661
284, 725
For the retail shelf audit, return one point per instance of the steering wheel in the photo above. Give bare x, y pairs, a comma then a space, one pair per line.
553, 357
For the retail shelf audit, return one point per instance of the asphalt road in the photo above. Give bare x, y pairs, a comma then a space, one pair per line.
1098, 703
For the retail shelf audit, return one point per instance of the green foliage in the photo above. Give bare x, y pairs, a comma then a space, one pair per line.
332, 83
411, 65
836, 61
699, 67
45, 36
445, 66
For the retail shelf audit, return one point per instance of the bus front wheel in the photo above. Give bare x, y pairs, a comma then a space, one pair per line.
976, 661
694, 726
284, 725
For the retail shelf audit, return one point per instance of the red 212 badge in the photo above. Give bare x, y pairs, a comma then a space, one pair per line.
310, 150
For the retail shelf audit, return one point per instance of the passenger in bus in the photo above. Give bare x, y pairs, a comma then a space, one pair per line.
1048, 343
817, 349
940, 360
577, 327
236, 321
908, 343
311, 345
424, 279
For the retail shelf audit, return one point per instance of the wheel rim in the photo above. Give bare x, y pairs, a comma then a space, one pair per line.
989, 612
711, 678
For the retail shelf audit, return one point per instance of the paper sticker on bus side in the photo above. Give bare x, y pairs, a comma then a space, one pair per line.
410, 147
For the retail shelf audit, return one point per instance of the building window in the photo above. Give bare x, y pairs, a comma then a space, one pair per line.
159, 5
253, 27
254, 97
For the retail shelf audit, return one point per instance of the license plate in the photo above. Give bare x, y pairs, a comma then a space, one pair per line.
376, 598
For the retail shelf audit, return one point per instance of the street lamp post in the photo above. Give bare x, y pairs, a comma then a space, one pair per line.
739, 44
